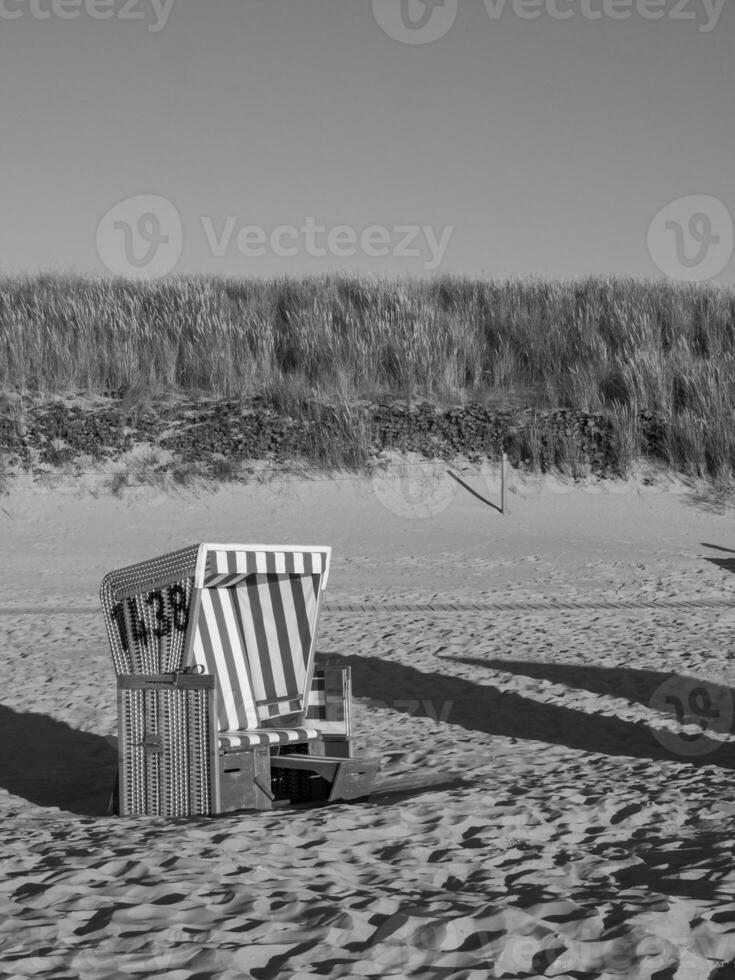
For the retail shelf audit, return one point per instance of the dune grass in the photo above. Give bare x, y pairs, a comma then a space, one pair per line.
616, 346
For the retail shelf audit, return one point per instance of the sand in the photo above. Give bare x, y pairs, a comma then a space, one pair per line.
570, 660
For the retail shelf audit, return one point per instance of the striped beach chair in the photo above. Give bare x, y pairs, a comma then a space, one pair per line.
220, 707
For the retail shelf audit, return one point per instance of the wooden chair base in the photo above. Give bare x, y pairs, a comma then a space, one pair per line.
244, 780
336, 746
170, 765
332, 778
255, 780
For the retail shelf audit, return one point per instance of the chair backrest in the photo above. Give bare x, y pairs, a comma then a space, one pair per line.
146, 610
254, 616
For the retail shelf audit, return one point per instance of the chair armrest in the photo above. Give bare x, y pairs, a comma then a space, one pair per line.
328, 707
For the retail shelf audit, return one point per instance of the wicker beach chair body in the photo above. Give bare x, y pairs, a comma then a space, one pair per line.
220, 707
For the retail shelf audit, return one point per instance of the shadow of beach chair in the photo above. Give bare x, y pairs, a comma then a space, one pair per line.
220, 707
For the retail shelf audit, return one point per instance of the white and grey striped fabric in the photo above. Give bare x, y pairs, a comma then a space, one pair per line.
265, 736
229, 565
328, 705
255, 628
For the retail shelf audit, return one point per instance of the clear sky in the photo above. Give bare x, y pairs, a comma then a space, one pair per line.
307, 136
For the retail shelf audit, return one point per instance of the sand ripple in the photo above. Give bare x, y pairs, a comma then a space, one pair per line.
593, 836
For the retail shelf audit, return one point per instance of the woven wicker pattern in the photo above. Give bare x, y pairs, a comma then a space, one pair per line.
165, 752
146, 610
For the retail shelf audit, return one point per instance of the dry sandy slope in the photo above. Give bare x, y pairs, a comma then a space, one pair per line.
592, 838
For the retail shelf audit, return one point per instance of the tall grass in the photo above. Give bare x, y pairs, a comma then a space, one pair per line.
618, 346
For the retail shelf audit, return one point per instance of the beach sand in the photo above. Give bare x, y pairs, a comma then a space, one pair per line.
570, 661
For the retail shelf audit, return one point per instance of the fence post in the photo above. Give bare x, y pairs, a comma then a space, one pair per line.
503, 461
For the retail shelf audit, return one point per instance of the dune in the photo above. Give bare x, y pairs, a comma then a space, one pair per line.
562, 674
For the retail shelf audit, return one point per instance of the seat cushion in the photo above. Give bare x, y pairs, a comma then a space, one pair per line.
253, 737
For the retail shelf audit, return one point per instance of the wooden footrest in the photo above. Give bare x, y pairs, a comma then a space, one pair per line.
346, 779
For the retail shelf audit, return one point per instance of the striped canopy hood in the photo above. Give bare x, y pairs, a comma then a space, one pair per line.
246, 613
255, 610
